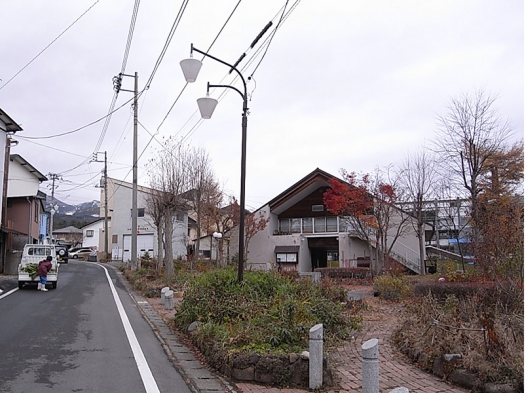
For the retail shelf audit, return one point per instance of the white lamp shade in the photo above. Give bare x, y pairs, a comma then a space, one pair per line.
190, 69
207, 106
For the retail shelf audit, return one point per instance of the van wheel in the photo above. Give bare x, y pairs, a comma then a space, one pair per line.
54, 285
20, 284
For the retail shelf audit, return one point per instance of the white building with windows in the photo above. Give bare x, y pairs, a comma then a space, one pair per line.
93, 234
119, 211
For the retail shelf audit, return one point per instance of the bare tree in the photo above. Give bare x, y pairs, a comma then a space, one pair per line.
154, 204
203, 187
169, 177
417, 176
470, 133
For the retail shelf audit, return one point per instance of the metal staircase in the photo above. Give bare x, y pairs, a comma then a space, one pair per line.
406, 256
400, 253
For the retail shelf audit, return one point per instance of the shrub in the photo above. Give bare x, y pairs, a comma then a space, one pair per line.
441, 290
265, 311
392, 287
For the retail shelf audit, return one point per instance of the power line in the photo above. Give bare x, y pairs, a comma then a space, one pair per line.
77, 129
203, 57
271, 38
115, 96
167, 43
266, 42
52, 42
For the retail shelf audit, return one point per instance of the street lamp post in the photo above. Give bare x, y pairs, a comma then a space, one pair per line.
190, 68
218, 237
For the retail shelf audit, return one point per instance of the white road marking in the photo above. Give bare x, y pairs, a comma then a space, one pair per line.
8, 293
145, 372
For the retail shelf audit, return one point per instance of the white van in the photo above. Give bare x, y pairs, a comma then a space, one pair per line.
31, 256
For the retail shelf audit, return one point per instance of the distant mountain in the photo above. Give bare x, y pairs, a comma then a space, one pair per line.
75, 215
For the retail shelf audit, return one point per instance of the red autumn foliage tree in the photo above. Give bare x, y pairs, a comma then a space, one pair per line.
368, 205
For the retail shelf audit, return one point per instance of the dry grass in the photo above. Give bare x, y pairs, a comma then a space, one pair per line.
487, 332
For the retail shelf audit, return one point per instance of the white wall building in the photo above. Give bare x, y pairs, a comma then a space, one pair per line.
93, 234
119, 210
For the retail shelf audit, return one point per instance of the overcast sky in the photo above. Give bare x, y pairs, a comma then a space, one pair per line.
343, 84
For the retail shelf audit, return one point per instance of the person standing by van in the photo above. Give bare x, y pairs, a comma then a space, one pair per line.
43, 268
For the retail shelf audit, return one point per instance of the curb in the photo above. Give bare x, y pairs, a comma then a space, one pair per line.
198, 378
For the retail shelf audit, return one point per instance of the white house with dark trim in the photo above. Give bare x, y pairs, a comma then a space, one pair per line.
119, 211
93, 234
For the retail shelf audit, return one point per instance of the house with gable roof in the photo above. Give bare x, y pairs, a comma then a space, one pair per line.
303, 235
25, 216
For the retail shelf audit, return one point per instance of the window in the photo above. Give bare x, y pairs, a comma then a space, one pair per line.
140, 212
284, 225
295, 225
320, 224
287, 257
344, 225
307, 225
331, 224
318, 208
114, 239
90, 233
39, 251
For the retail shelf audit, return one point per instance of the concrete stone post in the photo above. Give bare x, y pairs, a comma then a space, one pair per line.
316, 357
370, 354
168, 300
162, 295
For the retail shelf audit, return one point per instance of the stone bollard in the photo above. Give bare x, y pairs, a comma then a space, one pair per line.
162, 295
168, 300
400, 390
316, 357
370, 354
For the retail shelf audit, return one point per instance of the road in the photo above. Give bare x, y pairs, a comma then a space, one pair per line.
85, 336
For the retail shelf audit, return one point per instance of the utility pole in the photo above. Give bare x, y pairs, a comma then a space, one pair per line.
54, 208
117, 82
134, 265
106, 234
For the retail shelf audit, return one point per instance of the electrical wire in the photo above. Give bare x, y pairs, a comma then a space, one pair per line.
203, 57
52, 42
115, 95
77, 129
271, 38
266, 42
153, 136
167, 43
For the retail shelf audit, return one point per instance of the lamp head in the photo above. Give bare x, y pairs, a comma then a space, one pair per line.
190, 69
207, 106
